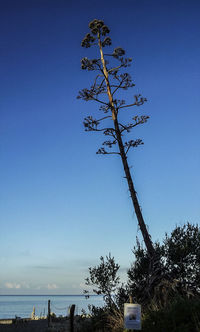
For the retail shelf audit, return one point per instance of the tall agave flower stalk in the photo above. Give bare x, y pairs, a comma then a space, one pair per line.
110, 80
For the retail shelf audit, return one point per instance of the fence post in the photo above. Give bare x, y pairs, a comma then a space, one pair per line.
49, 313
72, 309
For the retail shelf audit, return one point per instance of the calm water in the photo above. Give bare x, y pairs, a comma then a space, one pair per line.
22, 306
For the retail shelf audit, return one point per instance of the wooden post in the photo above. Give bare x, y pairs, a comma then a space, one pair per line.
49, 313
72, 309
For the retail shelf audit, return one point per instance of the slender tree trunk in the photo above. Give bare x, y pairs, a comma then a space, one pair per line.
142, 225
136, 205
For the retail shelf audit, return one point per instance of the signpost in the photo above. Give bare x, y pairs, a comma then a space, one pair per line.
132, 316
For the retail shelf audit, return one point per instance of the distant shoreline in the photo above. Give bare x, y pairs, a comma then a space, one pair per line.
47, 295
22, 305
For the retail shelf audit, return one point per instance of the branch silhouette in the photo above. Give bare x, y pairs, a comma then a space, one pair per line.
113, 79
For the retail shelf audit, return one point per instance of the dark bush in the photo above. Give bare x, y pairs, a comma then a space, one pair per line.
183, 315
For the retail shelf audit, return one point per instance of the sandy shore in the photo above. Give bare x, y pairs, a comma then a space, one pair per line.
40, 325
26, 326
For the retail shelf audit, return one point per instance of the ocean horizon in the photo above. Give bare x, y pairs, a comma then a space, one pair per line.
22, 305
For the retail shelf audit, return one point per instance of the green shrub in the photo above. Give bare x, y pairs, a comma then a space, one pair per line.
183, 315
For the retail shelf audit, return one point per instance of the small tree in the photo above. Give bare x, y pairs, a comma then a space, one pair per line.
110, 81
182, 255
104, 279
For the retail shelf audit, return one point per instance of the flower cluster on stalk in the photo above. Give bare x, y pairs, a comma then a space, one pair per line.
118, 81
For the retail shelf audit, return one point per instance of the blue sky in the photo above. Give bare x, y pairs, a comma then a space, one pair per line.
61, 205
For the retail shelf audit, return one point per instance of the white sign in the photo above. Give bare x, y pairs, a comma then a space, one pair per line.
132, 316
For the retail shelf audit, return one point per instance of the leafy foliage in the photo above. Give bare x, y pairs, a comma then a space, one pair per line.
182, 255
179, 265
181, 315
141, 285
171, 302
104, 278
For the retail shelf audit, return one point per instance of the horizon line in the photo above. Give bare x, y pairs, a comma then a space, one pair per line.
48, 295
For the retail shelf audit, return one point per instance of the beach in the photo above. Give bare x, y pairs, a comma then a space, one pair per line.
30, 325
40, 325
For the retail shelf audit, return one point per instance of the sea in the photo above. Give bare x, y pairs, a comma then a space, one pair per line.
22, 305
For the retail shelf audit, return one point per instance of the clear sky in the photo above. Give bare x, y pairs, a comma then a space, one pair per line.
61, 205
